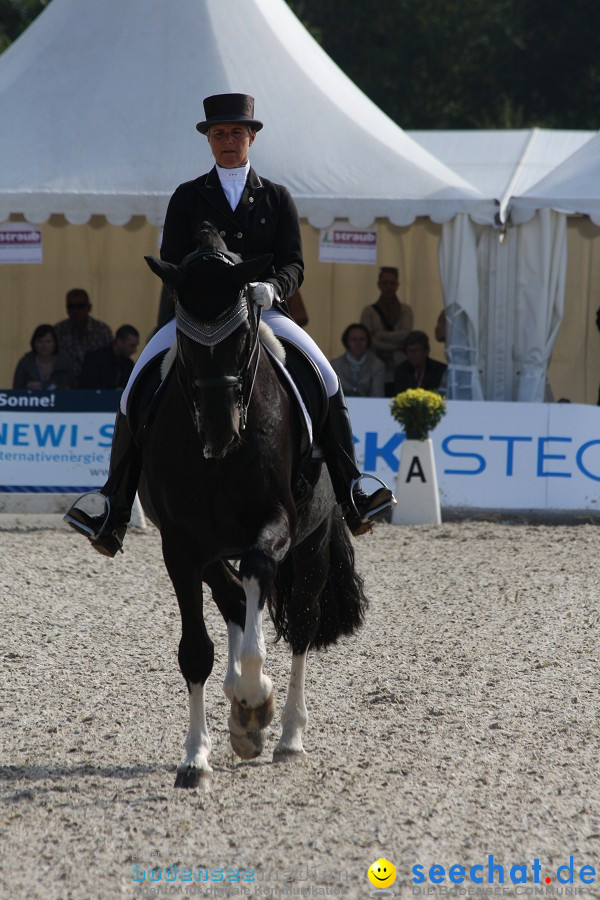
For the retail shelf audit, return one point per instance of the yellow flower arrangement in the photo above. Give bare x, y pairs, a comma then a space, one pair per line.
418, 411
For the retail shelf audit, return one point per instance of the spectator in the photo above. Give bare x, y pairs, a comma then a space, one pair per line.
388, 321
44, 368
79, 334
361, 373
109, 367
418, 370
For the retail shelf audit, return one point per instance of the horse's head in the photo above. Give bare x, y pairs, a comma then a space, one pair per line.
217, 341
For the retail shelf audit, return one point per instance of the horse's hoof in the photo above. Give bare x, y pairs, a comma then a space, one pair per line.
191, 777
248, 745
289, 756
253, 719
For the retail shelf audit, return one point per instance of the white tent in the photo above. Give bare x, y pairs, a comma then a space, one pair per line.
572, 187
503, 164
98, 103
508, 304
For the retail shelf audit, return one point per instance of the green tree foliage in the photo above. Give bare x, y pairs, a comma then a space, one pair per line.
467, 63
15, 16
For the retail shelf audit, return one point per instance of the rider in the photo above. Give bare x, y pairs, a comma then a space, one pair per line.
254, 216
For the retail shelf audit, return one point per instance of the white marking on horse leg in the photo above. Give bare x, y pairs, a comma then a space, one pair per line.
197, 744
253, 687
234, 643
294, 716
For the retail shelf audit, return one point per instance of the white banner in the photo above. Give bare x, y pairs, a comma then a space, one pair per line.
20, 243
343, 243
534, 456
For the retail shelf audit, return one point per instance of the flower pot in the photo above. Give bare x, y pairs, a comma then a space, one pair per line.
416, 485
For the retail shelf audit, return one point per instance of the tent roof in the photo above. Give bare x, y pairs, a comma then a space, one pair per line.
99, 100
573, 187
503, 164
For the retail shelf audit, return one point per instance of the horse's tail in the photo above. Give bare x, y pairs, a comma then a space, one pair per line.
341, 606
343, 600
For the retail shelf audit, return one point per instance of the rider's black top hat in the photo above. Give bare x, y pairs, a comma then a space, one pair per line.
227, 108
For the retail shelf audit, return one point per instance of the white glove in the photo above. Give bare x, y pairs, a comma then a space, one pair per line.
263, 293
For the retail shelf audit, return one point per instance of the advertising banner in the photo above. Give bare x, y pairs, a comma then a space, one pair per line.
55, 442
20, 243
343, 243
543, 456
534, 456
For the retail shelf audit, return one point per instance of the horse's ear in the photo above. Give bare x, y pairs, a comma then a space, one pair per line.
250, 269
170, 274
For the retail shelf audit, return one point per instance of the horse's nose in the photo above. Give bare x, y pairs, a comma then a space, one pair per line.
219, 449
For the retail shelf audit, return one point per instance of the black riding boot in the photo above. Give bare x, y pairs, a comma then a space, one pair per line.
106, 531
337, 443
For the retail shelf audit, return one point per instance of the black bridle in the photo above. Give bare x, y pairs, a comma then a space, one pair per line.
198, 331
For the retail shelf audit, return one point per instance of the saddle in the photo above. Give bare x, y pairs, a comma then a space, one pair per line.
306, 378
145, 395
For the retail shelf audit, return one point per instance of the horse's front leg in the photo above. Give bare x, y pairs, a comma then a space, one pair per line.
196, 656
253, 704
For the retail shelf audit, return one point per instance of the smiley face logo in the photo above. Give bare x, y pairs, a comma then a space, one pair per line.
382, 873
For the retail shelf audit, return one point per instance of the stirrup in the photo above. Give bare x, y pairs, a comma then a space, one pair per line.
371, 513
80, 526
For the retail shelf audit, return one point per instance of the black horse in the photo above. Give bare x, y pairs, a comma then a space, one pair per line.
221, 465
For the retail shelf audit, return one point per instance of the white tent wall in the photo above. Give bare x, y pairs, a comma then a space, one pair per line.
108, 261
504, 322
458, 261
336, 294
520, 280
574, 372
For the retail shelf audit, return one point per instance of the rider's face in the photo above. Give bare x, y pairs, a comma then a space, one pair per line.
230, 144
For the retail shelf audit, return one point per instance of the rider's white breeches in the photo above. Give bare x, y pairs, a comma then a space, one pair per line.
282, 327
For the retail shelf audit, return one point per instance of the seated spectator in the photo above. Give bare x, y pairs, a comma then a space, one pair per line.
360, 372
44, 368
109, 368
79, 334
388, 321
418, 370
